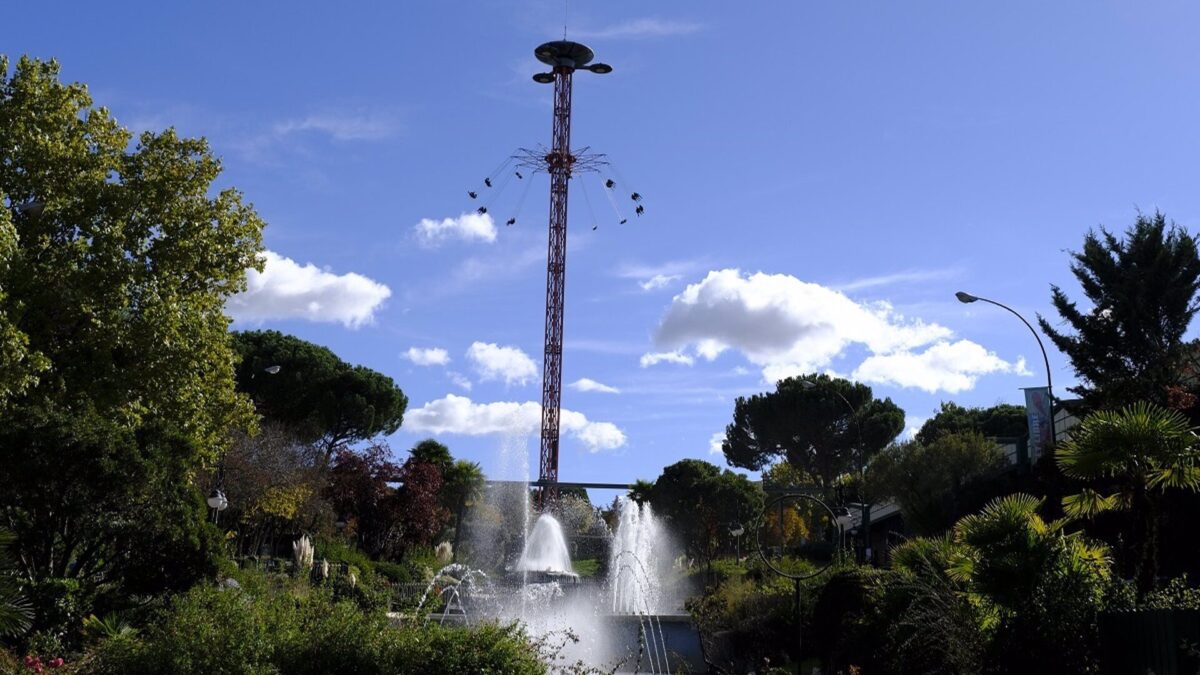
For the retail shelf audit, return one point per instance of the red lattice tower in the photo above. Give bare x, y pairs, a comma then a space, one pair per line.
565, 58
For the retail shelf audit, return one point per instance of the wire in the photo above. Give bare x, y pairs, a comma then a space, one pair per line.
503, 165
608, 193
521, 200
587, 200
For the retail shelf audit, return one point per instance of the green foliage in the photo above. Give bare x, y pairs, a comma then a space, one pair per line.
745, 620
1142, 292
823, 426
315, 394
700, 501
117, 280
1141, 451
14, 609
587, 568
998, 421
1044, 586
935, 482
269, 628
341, 552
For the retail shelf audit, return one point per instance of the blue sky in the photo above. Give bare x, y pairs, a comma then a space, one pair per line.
819, 178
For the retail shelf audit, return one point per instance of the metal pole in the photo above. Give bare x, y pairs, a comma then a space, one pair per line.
1045, 361
799, 633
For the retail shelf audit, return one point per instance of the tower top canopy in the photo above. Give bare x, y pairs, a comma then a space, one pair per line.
564, 53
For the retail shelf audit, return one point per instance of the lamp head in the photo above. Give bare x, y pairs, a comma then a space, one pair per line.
965, 298
544, 78
216, 500
600, 68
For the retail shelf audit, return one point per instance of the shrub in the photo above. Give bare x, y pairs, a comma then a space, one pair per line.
276, 625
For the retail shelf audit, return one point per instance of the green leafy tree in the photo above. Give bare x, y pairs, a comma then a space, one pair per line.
18, 367
1136, 454
14, 609
118, 282
824, 426
700, 501
935, 483
320, 397
999, 421
1126, 346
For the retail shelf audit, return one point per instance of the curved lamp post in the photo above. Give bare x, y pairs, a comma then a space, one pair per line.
967, 298
865, 525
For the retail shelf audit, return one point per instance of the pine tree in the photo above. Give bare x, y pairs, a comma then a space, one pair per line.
1142, 291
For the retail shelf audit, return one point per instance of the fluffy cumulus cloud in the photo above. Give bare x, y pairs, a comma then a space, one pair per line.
286, 289
588, 384
469, 227
460, 415
788, 327
494, 362
655, 358
434, 356
715, 441
945, 366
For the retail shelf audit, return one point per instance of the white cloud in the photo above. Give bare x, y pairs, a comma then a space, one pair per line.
588, 384
287, 290
466, 227
789, 327
459, 380
459, 415
945, 366
656, 358
907, 276
912, 425
659, 281
364, 126
641, 28
434, 356
714, 443
494, 362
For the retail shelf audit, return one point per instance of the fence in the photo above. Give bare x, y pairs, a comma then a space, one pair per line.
1153, 641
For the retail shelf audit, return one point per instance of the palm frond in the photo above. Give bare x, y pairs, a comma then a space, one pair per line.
1089, 503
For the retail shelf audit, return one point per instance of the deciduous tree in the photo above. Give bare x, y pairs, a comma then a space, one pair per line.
935, 483
117, 281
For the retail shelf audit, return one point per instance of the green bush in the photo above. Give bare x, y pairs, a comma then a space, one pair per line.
276, 625
339, 552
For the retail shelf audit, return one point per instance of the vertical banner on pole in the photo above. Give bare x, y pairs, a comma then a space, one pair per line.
1037, 408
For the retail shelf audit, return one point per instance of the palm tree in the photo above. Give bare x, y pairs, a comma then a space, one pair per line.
641, 490
1142, 451
1010, 545
463, 485
14, 611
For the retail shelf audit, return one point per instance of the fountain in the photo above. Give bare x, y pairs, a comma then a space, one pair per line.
626, 622
545, 549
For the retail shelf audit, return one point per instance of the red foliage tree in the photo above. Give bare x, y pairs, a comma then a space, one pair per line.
388, 507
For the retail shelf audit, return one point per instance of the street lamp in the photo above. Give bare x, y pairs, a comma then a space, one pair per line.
865, 507
967, 298
217, 502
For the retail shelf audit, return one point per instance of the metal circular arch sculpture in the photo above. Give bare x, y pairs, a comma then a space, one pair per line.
777, 505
